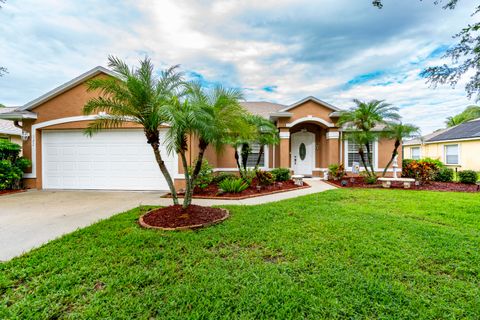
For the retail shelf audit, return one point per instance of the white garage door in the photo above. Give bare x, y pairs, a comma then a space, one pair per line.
111, 160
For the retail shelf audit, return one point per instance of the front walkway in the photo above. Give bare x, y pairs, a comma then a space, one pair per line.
30, 219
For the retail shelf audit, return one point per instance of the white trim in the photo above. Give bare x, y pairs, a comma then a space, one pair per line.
284, 135
375, 157
309, 98
419, 152
333, 135
319, 169
266, 155
453, 140
459, 162
310, 118
68, 85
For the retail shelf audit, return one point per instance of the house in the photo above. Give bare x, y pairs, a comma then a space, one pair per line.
8, 131
63, 157
457, 147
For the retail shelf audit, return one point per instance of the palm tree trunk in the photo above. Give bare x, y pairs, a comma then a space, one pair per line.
187, 199
164, 170
369, 156
260, 153
237, 159
244, 153
394, 154
362, 157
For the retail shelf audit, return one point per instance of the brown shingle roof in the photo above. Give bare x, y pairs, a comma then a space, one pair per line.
6, 126
262, 108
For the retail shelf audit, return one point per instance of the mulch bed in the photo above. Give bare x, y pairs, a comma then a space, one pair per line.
6, 192
212, 191
357, 182
176, 218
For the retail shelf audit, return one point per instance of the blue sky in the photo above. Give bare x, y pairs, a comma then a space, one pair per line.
276, 50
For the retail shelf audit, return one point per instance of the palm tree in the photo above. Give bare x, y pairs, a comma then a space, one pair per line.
398, 132
138, 97
470, 113
364, 117
363, 140
208, 115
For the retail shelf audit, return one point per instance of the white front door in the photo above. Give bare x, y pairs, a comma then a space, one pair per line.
303, 152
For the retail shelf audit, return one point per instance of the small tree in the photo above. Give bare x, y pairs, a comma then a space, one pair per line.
363, 139
398, 132
364, 117
138, 97
470, 113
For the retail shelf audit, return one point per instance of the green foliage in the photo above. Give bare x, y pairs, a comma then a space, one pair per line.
368, 178
444, 175
435, 162
249, 174
233, 185
339, 254
219, 177
337, 171
264, 178
470, 113
12, 165
205, 176
421, 170
281, 174
467, 176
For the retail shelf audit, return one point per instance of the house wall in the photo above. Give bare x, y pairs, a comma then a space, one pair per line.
469, 152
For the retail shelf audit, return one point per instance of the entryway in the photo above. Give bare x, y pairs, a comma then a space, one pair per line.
303, 152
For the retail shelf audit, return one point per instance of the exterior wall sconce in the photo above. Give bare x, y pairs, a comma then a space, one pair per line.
25, 135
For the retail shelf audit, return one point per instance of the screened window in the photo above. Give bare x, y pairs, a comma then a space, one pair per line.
451, 154
353, 156
415, 153
253, 156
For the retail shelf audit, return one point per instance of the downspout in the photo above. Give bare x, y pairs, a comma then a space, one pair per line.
340, 147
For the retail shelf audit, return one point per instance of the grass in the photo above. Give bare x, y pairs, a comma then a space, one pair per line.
338, 254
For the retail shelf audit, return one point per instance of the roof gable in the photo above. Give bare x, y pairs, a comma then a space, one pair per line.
68, 85
310, 98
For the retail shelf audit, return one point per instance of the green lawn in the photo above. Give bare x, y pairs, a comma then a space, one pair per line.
338, 254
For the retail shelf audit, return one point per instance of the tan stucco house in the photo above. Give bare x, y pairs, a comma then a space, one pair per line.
64, 158
457, 147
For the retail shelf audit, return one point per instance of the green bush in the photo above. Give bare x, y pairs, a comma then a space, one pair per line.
368, 179
467, 176
281, 174
205, 176
12, 165
219, 177
265, 178
233, 185
420, 170
444, 175
437, 163
337, 171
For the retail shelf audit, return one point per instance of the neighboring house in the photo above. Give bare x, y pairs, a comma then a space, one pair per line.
457, 146
8, 131
64, 158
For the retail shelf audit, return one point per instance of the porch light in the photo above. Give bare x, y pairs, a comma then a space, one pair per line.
25, 135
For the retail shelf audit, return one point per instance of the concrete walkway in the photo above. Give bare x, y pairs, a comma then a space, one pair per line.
30, 219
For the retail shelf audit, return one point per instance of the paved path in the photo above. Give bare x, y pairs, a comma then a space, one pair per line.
29, 219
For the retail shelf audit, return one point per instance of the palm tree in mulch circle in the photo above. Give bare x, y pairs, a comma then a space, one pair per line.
209, 116
398, 132
364, 117
136, 96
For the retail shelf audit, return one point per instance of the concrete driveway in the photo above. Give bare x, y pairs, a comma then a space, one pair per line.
29, 219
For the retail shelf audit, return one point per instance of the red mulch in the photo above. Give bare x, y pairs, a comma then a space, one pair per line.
433, 185
5, 192
212, 190
175, 216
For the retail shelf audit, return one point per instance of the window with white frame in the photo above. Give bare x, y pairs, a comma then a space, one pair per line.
253, 155
451, 154
415, 153
353, 156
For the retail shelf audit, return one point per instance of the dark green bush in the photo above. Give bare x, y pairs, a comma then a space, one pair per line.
281, 174
337, 171
219, 177
467, 176
205, 176
437, 163
12, 165
264, 178
444, 175
233, 185
368, 179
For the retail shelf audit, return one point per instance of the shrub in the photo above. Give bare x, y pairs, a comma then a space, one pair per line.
444, 175
437, 163
337, 171
367, 178
420, 170
281, 174
222, 176
205, 176
233, 185
468, 176
12, 165
249, 174
265, 178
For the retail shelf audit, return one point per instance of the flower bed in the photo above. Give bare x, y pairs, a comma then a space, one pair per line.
7, 192
254, 190
357, 182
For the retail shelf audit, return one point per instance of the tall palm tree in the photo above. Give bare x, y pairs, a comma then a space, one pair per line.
266, 134
398, 132
470, 113
363, 139
138, 96
208, 115
364, 117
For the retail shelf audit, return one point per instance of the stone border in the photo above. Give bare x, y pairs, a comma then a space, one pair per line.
10, 192
143, 224
306, 186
